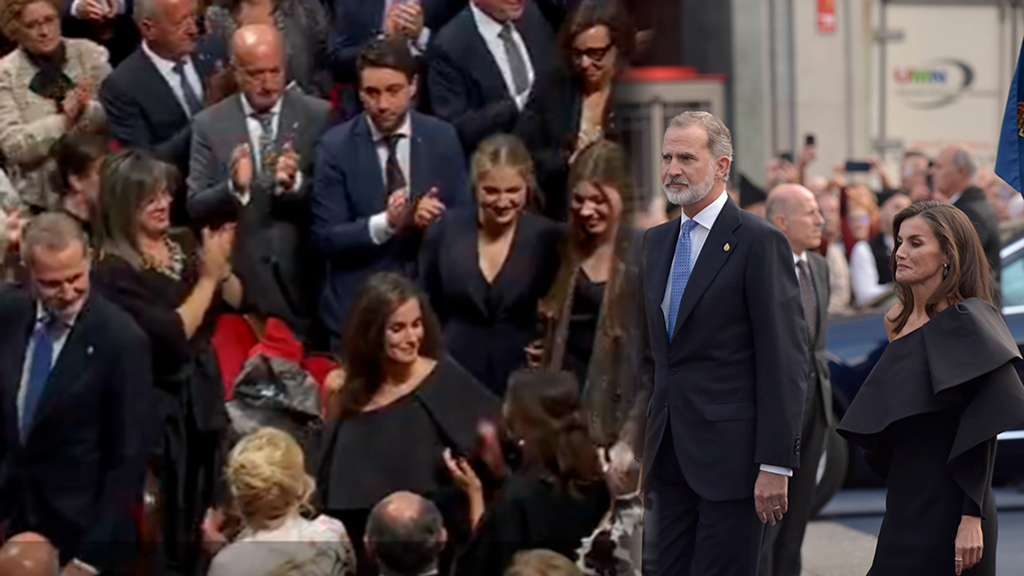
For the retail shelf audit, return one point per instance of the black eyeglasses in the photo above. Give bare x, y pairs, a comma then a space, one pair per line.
594, 54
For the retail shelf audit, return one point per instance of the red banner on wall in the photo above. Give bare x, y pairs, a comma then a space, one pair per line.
826, 16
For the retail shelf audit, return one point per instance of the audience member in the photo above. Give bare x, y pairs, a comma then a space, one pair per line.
840, 289
382, 178
29, 554
485, 268
269, 487
47, 88
106, 22
405, 535
541, 563
79, 157
871, 261
914, 176
61, 335
270, 176
485, 63
574, 108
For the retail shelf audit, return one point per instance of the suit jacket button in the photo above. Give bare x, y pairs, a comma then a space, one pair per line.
671, 372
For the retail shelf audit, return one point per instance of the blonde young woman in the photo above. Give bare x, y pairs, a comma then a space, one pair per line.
270, 490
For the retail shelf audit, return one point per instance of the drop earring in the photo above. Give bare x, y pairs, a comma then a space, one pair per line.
945, 269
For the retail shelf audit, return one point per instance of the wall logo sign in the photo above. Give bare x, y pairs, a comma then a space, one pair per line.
935, 84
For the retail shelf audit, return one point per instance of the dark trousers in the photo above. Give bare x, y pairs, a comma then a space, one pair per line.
780, 554
685, 534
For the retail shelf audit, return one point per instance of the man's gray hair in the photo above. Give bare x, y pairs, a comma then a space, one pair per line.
719, 137
51, 231
964, 158
147, 10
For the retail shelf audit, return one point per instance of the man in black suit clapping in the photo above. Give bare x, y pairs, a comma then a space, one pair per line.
75, 405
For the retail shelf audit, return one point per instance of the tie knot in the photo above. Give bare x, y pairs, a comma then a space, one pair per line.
179, 67
689, 225
51, 324
264, 118
506, 31
802, 265
392, 140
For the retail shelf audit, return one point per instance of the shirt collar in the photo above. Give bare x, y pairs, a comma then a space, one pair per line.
798, 258
405, 129
274, 111
165, 65
709, 214
488, 27
956, 197
68, 323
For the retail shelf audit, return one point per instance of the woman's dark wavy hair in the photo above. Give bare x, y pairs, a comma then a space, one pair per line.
543, 410
969, 275
364, 353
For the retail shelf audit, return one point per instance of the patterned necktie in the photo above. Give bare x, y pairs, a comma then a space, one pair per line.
268, 156
191, 98
680, 274
516, 62
809, 302
41, 363
393, 175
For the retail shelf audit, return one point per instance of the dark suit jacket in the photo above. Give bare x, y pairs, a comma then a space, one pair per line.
120, 35
76, 477
819, 275
973, 203
465, 84
733, 378
269, 256
348, 189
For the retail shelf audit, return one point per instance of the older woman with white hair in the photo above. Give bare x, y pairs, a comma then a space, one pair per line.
270, 490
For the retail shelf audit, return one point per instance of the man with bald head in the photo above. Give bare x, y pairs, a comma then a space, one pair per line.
29, 554
251, 162
954, 174
405, 535
794, 210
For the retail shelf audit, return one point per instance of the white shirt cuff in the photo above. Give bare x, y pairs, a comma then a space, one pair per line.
380, 230
243, 199
84, 566
424, 38
777, 470
522, 99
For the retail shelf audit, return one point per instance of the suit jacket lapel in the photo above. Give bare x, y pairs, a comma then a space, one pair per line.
819, 274
74, 359
161, 92
712, 256
483, 65
657, 270
371, 185
288, 125
12, 366
419, 162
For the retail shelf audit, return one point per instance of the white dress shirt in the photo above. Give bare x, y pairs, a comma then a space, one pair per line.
380, 230
864, 273
705, 220
166, 69
490, 29
255, 130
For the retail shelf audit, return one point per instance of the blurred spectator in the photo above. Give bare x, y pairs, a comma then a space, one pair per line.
402, 404
107, 22
541, 563
29, 554
752, 197
871, 261
79, 157
47, 88
914, 176
835, 254
558, 495
817, 184
175, 289
485, 268
267, 480
615, 546
859, 199
587, 317
73, 462
574, 107
485, 64
953, 176
993, 188
381, 179
304, 27
405, 535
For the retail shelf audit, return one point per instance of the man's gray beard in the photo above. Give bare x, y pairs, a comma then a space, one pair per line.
691, 194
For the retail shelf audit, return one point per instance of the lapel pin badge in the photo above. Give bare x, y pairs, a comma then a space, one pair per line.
88, 351
726, 247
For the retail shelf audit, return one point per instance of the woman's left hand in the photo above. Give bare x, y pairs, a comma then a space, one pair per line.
969, 543
462, 473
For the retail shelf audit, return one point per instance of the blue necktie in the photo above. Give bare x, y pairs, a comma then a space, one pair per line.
680, 274
191, 99
38, 371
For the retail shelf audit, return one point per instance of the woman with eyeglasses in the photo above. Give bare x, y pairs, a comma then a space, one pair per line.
574, 109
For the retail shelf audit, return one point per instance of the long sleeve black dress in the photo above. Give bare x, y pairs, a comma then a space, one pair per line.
928, 416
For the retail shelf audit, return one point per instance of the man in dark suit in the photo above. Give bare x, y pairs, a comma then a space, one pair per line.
252, 162
380, 180
723, 353
953, 175
794, 210
75, 407
483, 66
107, 22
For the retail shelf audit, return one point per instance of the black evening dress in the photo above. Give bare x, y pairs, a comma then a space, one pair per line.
928, 416
189, 451
399, 447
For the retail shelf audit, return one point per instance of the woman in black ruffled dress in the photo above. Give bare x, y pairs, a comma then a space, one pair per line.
929, 413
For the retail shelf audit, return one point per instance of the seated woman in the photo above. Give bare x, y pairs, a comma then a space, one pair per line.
78, 157
486, 267
403, 403
47, 88
558, 494
270, 490
174, 288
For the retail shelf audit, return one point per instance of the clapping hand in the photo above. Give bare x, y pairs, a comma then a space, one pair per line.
241, 169
287, 167
429, 209
410, 19
216, 252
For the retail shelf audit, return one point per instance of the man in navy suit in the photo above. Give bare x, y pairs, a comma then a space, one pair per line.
75, 406
723, 352
380, 180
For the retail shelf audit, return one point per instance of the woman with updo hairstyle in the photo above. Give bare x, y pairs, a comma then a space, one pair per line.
485, 267
402, 403
944, 388
271, 491
557, 495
